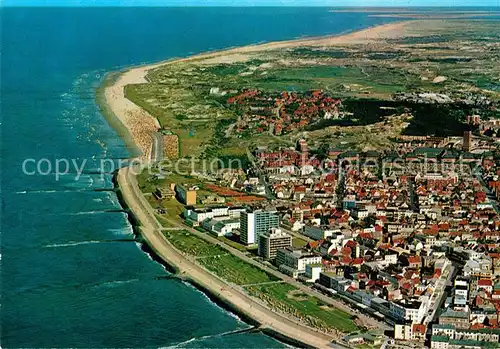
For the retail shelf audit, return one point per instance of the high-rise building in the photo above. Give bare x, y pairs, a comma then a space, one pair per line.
467, 146
187, 196
255, 223
271, 241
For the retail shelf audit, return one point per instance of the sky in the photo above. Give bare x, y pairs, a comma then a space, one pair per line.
331, 3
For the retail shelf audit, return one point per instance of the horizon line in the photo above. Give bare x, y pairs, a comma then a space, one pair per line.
14, 4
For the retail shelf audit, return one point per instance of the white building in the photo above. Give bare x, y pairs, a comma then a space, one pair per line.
313, 272
221, 227
479, 267
413, 311
255, 223
318, 233
360, 213
461, 292
202, 214
292, 261
271, 241
391, 259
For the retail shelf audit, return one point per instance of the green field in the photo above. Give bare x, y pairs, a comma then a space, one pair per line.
235, 270
288, 299
217, 260
164, 222
189, 97
193, 245
298, 242
336, 79
233, 243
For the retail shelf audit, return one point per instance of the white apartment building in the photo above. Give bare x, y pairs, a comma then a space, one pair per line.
293, 261
318, 233
255, 223
413, 311
201, 214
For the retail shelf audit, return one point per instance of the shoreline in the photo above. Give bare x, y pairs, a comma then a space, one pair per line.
249, 310
136, 126
108, 114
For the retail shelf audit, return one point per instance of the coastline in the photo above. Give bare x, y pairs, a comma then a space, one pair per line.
136, 126
115, 122
242, 304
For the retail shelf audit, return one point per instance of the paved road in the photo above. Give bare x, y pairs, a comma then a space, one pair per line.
305, 288
157, 147
260, 174
151, 232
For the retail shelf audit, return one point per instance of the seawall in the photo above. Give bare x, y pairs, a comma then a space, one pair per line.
180, 275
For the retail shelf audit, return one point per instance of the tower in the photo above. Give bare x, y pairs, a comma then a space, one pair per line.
467, 145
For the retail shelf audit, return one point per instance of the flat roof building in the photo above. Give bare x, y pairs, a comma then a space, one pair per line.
255, 223
291, 260
271, 241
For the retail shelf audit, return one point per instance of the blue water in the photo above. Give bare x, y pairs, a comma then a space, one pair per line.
72, 276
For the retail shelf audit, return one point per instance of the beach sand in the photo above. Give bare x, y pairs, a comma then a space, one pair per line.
141, 125
153, 236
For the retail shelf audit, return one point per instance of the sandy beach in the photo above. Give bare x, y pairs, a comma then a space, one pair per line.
141, 125
151, 232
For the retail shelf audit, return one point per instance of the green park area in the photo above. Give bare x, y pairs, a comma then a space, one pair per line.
337, 80
192, 245
277, 295
235, 270
298, 242
217, 260
190, 98
286, 298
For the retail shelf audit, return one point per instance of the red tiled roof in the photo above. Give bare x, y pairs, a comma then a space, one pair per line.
314, 244
366, 236
419, 328
484, 282
414, 259
358, 261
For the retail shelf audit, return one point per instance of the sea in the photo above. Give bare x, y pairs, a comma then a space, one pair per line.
72, 274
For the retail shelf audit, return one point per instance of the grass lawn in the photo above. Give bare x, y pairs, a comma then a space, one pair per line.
146, 183
233, 243
288, 299
193, 245
298, 242
164, 222
174, 208
235, 270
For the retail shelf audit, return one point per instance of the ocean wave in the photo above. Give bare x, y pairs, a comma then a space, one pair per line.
74, 243
233, 315
82, 213
116, 283
45, 191
210, 336
127, 230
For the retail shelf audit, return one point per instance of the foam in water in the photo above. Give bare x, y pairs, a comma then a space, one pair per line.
72, 244
52, 112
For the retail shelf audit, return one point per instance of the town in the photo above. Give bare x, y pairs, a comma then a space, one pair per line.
283, 113
355, 192
408, 238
